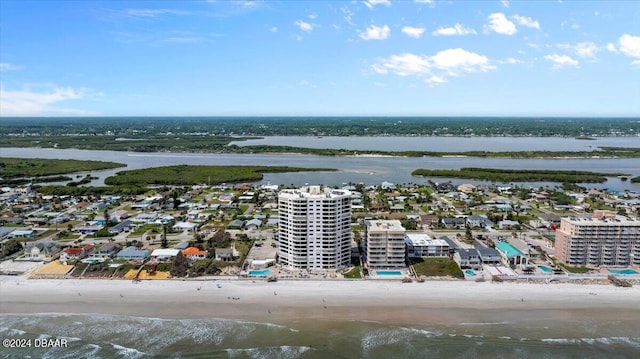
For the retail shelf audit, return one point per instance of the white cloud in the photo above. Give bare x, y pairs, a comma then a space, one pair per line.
456, 29
505, 3
372, 3
30, 103
630, 46
560, 61
612, 47
583, 49
374, 32
526, 21
313, 16
274, 29
4, 67
415, 32
151, 13
424, 1
499, 24
437, 68
513, 61
304, 26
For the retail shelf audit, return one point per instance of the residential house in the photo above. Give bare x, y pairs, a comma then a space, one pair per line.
507, 224
454, 222
164, 254
468, 258
76, 253
236, 224
185, 226
41, 250
108, 250
133, 253
224, 254
124, 226
194, 253
119, 215
512, 255
22, 233
253, 224
489, 255
478, 221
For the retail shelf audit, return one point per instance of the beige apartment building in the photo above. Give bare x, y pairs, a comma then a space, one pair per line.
384, 245
597, 242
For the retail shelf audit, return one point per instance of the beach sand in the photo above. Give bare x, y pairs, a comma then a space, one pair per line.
436, 302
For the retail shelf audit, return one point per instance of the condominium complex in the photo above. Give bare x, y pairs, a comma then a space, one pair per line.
384, 245
420, 244
598, 242
314, 228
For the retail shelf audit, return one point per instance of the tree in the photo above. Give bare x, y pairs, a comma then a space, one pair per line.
467, 234
107, 220
10, 247
180, 266
164, 243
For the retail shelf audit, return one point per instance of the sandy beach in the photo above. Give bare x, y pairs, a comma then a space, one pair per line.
436, 302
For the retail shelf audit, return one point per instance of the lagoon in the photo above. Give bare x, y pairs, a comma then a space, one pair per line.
366, 169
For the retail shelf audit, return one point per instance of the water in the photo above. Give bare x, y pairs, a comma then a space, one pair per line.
355, 169
444, 144
109, 336
623, 271
470, 272
260, 272
388, 272
545, 269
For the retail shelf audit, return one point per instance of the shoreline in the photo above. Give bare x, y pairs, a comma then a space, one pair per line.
433, 302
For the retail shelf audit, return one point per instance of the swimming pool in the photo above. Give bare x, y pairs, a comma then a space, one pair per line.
260, 272
545, 269
388, 272
623, 271
470, 273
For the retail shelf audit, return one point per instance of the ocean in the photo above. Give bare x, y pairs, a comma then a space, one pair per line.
111, 336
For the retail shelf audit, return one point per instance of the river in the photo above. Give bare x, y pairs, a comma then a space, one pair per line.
355, 169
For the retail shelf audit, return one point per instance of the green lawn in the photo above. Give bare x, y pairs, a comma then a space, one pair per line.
354, 273
576, 270
436, 267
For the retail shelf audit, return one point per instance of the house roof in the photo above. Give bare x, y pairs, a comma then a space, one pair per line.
165, 252
107, 247
509, 250
73, 250
193, 251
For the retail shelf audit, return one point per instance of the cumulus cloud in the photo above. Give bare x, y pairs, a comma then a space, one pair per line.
437, 68
39, 103
505, 3
151, 13
374, 32
304, 26
456, 29
630, 46
560, 61
499, 24
612, 47
526, 21
415, 32
512, 61
585, 49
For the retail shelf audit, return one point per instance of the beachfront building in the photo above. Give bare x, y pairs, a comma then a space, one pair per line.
512, 255
384, 244
598, 242
315, 228
420, 244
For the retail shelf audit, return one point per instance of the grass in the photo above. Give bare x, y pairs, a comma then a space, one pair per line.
576, 270
354, 273
436, 267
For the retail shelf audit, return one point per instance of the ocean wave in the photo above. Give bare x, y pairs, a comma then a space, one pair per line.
634, 342
284, 352
128, 352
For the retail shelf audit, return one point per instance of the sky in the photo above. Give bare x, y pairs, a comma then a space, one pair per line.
322, 58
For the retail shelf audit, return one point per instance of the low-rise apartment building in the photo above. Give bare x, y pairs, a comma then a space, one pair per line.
384, 244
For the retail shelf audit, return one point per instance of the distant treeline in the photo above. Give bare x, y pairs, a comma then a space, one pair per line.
508, 175
192, 175
321, 126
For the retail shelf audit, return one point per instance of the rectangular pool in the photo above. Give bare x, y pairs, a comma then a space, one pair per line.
545, 269
623, 271
258, 273
388, 272
470, 273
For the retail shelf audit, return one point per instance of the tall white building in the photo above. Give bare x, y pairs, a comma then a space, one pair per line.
384, 245
314, 228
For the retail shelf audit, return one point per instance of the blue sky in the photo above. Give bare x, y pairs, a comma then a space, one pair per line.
376, 57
